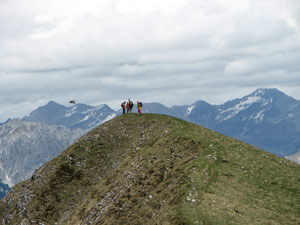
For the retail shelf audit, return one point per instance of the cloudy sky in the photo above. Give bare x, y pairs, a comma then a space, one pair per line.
169, 51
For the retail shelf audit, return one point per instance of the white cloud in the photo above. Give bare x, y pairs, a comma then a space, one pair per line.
104, 51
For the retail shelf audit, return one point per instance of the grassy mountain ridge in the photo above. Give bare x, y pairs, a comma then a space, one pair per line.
155, 169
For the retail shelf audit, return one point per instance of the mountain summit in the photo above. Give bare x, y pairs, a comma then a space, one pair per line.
155, 169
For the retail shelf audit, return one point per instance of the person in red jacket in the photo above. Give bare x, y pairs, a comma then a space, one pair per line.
127, 107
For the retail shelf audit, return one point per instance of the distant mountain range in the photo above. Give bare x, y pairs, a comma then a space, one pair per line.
267, 118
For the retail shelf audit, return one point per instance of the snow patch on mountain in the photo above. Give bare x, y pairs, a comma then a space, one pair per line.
71, 111
258, 117
93, 110
99, 121
238, 108
244, 104
8, 181
260, 92
85, 118
99, 107
75, 109
266, 102
109, 117
190, 109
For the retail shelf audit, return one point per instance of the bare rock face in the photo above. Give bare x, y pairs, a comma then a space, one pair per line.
25, 146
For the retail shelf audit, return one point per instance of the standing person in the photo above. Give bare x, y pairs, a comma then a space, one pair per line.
127, 107
139, 106
130, 106
123, 106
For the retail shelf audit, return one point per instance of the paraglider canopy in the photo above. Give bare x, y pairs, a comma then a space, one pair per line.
72, 101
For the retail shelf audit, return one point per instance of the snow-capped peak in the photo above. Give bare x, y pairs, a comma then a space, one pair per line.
267, 93
242, 105
259, 92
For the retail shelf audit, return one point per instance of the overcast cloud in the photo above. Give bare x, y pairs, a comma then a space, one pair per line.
171, 51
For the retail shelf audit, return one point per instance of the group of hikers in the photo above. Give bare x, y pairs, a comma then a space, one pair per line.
128, 106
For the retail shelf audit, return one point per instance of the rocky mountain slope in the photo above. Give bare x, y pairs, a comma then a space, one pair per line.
155, 169
25, 146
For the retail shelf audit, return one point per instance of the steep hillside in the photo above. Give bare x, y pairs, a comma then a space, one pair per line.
155, 169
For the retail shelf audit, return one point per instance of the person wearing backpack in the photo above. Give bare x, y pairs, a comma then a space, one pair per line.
123, 105
139, 106
130, 106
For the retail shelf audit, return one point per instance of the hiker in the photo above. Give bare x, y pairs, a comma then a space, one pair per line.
139, 106
130, 106
123, 105
127, 107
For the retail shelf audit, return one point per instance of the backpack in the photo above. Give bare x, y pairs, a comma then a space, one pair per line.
141, 104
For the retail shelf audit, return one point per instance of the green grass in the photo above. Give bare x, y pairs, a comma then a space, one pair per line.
155, 169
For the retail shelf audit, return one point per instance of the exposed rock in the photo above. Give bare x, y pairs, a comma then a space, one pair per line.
25, 146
